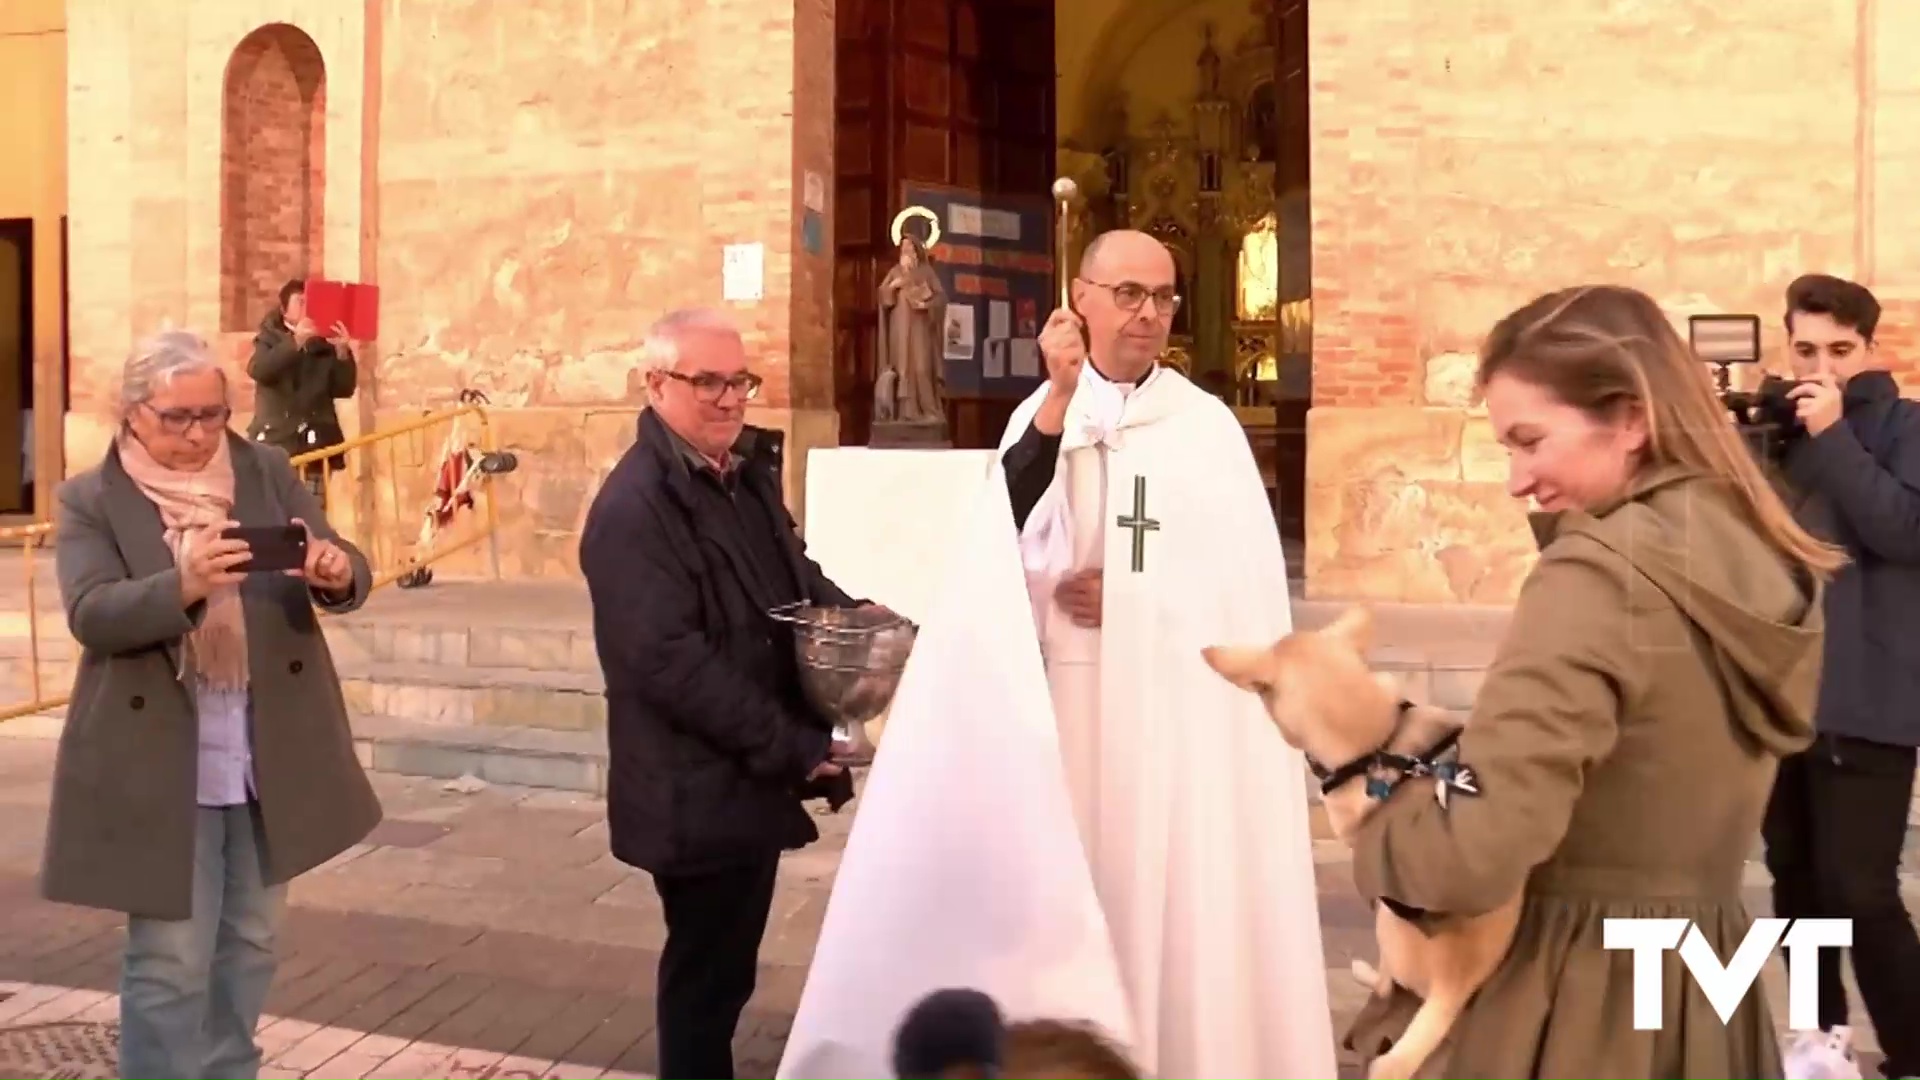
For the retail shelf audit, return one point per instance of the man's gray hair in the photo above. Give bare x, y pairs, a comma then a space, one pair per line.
661, 350
157, 360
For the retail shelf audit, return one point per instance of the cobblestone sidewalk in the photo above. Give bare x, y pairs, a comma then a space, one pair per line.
475, 934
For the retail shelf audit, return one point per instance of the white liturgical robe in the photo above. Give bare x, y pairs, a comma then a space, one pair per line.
1099, 827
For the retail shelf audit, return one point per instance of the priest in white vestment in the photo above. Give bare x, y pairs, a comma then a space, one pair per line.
1125, 528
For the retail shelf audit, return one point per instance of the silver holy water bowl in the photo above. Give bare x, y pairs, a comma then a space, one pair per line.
850, 664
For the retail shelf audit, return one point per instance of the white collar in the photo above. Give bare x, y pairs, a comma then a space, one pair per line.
1088, 370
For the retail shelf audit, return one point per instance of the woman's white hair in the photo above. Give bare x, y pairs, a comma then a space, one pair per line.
661, 350
157, 361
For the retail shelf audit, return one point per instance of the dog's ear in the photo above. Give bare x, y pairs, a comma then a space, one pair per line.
1388, 681
1354, 628
1243, 666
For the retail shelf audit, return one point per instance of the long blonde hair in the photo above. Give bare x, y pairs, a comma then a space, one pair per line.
1601, 348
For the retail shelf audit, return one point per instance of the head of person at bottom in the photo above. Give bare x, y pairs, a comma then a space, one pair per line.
1589, 388
1124, 293
1065, 1050
698, 381
173, 400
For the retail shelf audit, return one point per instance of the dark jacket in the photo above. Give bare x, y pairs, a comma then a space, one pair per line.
295, 388
121, 828
710, 739
1858, 485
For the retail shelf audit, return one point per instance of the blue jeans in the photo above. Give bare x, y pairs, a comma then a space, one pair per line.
191, 990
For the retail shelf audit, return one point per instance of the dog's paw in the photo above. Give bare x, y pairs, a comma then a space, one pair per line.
1365, 974
1391, 1066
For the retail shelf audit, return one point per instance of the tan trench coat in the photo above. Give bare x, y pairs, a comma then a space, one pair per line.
1660, 661
120, 831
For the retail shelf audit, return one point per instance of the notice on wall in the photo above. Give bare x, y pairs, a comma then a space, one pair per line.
993, 360
813, 192
1025, 357
743, 272
959, 332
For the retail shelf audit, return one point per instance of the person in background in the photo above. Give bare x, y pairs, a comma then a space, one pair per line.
206, 759
712, 745
1837, 824
1063, 1050
298, 374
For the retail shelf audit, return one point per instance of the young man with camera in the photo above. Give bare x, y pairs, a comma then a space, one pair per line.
1837, 822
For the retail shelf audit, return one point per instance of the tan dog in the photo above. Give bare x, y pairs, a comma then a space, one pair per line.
1331, 708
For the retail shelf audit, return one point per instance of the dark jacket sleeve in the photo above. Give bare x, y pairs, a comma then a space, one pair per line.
1879, 506
345, 376
641, 588
300, 504
1030, 463
274, 356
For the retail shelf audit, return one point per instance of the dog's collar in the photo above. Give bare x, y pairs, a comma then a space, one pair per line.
1385, 770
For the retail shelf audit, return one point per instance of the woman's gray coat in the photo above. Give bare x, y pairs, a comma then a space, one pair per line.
121, 831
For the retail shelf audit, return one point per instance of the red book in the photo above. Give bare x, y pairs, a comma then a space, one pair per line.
355, 305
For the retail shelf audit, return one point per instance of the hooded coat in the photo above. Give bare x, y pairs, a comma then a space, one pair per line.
1661, 659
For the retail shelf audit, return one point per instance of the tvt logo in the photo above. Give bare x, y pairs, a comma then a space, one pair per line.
1726, 985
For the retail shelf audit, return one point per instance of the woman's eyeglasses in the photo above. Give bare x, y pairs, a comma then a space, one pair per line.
178, 421
708, 387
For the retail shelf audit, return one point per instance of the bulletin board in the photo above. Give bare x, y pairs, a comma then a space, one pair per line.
994, 257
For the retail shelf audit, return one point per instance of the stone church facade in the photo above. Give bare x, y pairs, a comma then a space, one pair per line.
530, 184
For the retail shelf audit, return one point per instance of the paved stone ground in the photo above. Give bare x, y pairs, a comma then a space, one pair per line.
481, 934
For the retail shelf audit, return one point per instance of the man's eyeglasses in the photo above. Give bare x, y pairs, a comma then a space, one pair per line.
1128, 296
708, 387
177, 421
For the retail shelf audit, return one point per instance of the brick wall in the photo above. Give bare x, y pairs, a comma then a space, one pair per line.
273, 170
1469, 156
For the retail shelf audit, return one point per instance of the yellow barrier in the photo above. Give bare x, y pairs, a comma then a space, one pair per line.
30, 537
382, 547
394, 558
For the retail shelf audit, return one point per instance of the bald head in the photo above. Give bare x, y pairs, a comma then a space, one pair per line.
1128, 246
1125, 296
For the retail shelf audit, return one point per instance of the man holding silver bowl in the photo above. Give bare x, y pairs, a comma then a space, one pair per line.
714, 745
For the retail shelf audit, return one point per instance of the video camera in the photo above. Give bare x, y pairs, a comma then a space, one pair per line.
1766, 417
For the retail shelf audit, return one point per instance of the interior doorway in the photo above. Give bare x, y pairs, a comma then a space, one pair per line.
941, 100
1184, 118
16, 366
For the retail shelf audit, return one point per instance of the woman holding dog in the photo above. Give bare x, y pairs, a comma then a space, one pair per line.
1663, 657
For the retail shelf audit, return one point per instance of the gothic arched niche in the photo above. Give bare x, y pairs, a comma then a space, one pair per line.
272, 169
1260, 123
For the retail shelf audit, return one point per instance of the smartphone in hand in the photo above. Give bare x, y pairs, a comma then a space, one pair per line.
275, 548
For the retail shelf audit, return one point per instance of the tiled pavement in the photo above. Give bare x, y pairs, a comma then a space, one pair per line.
475, 934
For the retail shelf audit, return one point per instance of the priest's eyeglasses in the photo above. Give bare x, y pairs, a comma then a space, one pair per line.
1128, 296
708, 387
177, 421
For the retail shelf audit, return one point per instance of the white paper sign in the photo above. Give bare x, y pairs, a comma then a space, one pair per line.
1000, 224
963, 220
813, 193
1025, 356
993, 363
959, 332
999, 319
743, 272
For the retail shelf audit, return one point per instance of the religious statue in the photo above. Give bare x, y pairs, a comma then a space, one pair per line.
913, 314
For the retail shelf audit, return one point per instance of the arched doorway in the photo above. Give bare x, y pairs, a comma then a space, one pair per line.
273, 170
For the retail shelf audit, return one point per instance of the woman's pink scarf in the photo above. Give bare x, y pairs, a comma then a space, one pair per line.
189, 502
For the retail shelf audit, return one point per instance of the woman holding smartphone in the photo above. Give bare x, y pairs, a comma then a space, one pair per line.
206, 758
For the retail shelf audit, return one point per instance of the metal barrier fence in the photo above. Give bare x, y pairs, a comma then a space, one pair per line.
365, 504
31, 538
